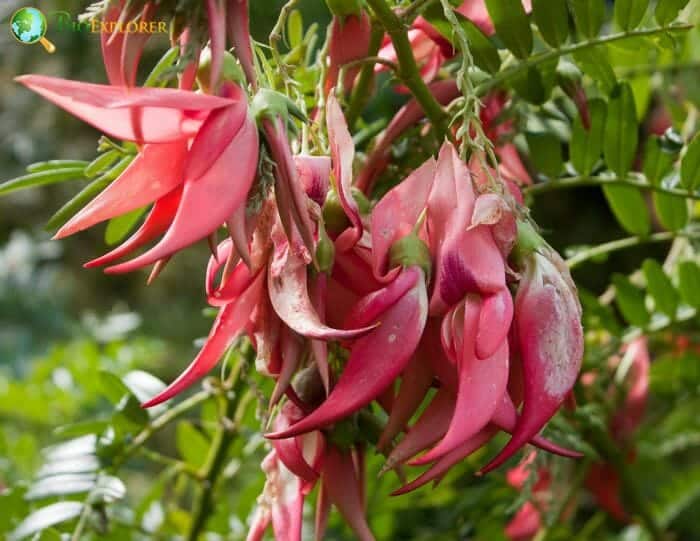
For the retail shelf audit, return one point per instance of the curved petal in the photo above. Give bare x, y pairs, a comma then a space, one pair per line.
228, 325
207, 202
156, 171
343, 154
396, 214
341, 484
375, 361
289, 295
482, 383
156, 223
109, 108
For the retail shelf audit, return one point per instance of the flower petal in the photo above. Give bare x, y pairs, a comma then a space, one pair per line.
228, 325
375, 360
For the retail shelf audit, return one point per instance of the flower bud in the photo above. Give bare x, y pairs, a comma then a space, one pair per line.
411, 251
231, 70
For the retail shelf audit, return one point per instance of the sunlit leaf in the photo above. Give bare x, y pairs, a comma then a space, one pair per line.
512, 25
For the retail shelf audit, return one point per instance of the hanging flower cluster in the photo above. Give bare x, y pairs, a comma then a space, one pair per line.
442, 285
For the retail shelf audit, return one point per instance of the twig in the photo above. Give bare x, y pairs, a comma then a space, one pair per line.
635, 181
628, 242
408, 71
537, 59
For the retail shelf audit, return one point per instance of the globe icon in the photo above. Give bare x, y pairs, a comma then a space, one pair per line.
28, 26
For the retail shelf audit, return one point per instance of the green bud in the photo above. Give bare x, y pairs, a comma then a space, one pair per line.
333, 214
528, 241
325, 251
345, 433
411, 251
363, 203
370, 426
343, 8
268, 103
231, 70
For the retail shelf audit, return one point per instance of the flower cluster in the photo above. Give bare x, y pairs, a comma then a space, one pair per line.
443, 284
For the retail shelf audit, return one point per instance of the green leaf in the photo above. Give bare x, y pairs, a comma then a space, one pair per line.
295, 29
167, 61
667, 10
629, 207
596, 63
657, 160
690, 165
620, 138
45, 517
530, 86
192, 445
484, 52
143, 385
118, 228
61, 485
545, 153
630, 301
672, 210
689, 283
552, 18
81, 428
512, 25
112, 387
50, 165
629, 13
660, 288
588, 16
42, 178
587, 145
676, 494
100, 164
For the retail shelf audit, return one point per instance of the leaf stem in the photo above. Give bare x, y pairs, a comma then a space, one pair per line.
159, 423
408, 71
627, 242
537, 59
584, 180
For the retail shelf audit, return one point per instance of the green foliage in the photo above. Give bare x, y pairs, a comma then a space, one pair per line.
82, 459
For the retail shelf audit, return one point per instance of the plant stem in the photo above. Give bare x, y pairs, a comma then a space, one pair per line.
224, 437
576, 182
622, 244
160, 422
408, 71
537, 59
361, 93
415, 9
230, 417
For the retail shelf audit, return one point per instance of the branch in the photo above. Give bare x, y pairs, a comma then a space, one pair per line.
622, 244
535, 60
634, 181
408, 71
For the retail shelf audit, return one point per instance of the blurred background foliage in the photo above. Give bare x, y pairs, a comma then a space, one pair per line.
74, 344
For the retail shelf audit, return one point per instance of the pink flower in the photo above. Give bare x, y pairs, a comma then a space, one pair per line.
218, 131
